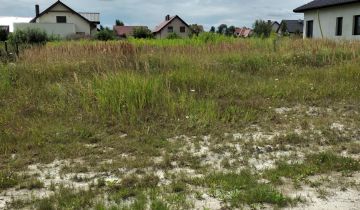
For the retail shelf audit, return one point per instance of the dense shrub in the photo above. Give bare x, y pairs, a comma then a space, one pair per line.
142, 33
78, 37
262, 28
105, 35
29, 36
173, 36
196, 29
210, 37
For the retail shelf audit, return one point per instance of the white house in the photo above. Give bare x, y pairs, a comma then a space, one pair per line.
59, 19
332, 19
172, 25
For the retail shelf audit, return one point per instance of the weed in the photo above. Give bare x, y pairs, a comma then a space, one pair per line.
292, 139
243, 188
159, 205
8, 180
32, 184
178, 187
314, 164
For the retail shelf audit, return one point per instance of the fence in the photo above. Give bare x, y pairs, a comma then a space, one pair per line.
8, 51
9, 48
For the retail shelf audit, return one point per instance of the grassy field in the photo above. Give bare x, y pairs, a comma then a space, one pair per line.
204, 123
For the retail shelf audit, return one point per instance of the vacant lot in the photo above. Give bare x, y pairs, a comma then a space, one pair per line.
206, 123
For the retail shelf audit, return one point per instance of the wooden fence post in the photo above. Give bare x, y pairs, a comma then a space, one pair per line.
17, 49
6, 48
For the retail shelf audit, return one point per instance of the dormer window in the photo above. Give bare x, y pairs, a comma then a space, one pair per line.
61, 19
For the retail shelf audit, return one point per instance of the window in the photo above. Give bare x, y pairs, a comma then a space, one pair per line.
309, 28
170, 29
357, 25
61, 19
339, 26
182, 29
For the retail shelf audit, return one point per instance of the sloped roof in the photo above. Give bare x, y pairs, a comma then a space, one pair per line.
293, 26
55, 4
317, 4
167, 22
243, 32
126, 30
274, 22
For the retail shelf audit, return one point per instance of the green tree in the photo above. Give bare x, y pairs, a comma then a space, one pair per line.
196, 29
212, 29
230, 31
284, 29
142, 33
105, 34
262, 28
222, 29
119, 23
29, 36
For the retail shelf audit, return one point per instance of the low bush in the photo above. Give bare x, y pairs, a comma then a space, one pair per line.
173, 36
142, 33
29, 36
105, 35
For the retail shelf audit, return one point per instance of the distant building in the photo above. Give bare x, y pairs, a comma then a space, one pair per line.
243, 32
292, 27
126, 31
172, 25
274, 25
10, 20
4, 32
60, 19
5, 28
331, 19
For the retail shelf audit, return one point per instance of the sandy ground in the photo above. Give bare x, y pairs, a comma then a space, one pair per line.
212, 153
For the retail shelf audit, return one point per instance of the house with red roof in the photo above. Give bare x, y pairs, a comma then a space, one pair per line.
126, 31
243, 32
172, 25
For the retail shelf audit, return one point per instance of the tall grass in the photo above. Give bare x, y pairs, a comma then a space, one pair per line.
134, 98
137, 86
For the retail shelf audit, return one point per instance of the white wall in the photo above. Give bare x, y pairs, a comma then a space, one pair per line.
176, 24
81, 26
60, 29
328, 21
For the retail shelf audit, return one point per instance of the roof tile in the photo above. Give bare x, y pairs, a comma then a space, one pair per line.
317, 4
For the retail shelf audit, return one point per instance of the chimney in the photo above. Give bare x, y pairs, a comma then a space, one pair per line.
167, 17
37, 10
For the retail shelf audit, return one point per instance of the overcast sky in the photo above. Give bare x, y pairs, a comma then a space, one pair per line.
152, 12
